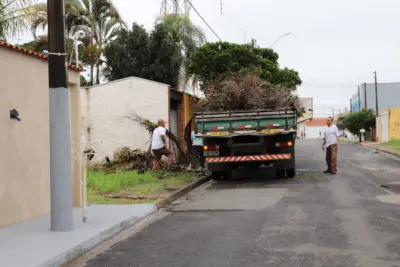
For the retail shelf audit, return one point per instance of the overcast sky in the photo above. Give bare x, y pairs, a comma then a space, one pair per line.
334, 45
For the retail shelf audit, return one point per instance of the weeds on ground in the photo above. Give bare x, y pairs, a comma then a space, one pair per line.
394, 143
150, 185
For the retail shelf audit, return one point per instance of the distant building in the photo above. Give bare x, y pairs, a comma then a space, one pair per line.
307, 103
315, 128
365, 96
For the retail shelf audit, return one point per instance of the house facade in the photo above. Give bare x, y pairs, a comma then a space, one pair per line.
388, 125
25, 144
107, 110
315, 128
307, 103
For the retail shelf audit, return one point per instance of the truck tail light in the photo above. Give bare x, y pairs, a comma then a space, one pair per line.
208, 148
284, 144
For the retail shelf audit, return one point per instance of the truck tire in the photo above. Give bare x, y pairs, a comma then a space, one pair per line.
227, 175
216, 176
280, 173
291, 173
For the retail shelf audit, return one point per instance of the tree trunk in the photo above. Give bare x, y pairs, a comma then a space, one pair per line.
98, 57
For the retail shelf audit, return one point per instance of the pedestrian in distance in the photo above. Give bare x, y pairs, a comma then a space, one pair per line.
159, 145
330, 144
197, 149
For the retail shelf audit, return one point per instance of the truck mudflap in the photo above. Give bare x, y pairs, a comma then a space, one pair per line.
270, 157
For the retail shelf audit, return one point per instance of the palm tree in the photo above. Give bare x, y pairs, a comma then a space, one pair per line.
15, 16
107, 31
185, 34
99, 19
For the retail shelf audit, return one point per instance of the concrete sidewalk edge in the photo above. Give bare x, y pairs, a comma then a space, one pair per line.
91, 243
116, 229
181, 192
374, 148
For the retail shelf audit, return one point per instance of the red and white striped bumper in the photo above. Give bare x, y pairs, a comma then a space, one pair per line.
249, 158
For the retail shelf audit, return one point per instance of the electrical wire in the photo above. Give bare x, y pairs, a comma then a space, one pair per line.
208, 25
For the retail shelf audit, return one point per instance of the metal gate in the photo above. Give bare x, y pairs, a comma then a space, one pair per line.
385, 127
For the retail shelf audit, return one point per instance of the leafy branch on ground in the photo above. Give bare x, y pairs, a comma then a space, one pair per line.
150, 126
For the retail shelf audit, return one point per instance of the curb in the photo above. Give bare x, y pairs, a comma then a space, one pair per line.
87, 245
107, 234
373, 148
383, 151
181, 192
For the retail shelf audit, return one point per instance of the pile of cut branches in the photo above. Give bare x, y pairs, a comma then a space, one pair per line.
150, 126
247, 91
126, 159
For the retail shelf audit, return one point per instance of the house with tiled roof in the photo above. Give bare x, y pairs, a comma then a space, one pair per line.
315, 128
25, 138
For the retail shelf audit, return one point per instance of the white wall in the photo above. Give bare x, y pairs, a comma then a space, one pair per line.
104, 107
313, 131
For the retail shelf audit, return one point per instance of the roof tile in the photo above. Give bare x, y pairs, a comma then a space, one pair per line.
317, 122
34, 54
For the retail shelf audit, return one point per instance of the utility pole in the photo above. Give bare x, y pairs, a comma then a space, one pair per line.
351, 107
61, 211
376, 96
365, 95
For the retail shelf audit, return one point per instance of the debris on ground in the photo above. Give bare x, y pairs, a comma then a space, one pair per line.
126, 159
150, 126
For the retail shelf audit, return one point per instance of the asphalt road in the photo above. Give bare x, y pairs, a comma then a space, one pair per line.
347, 220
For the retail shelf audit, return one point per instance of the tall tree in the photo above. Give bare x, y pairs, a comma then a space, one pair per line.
212, 60
165, 59
136, 53
99, 19
187, 36
15, 16
364, 119
128, 55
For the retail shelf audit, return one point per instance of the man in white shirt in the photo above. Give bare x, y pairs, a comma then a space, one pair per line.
331, 138
159, 145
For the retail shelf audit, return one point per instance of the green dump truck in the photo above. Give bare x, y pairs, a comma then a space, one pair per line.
248, 138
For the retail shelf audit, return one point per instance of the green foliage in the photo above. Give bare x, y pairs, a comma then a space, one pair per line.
364, 119
153, 56
394, 143
15, 16
137, 183
215, 59
187, 36
38, 45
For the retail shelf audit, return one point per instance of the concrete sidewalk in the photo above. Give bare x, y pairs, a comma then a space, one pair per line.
384, 148
32, 244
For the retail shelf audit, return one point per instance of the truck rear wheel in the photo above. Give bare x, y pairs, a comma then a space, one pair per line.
227, 175
219, 175
291, 173
216, 175
280, 173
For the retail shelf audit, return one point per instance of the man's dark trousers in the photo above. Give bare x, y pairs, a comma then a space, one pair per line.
331, 157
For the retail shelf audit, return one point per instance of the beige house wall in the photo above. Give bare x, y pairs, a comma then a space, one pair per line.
24, 145
104, 107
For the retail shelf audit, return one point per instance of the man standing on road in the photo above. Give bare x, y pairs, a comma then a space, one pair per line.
159, 145
331, 138
197, 149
